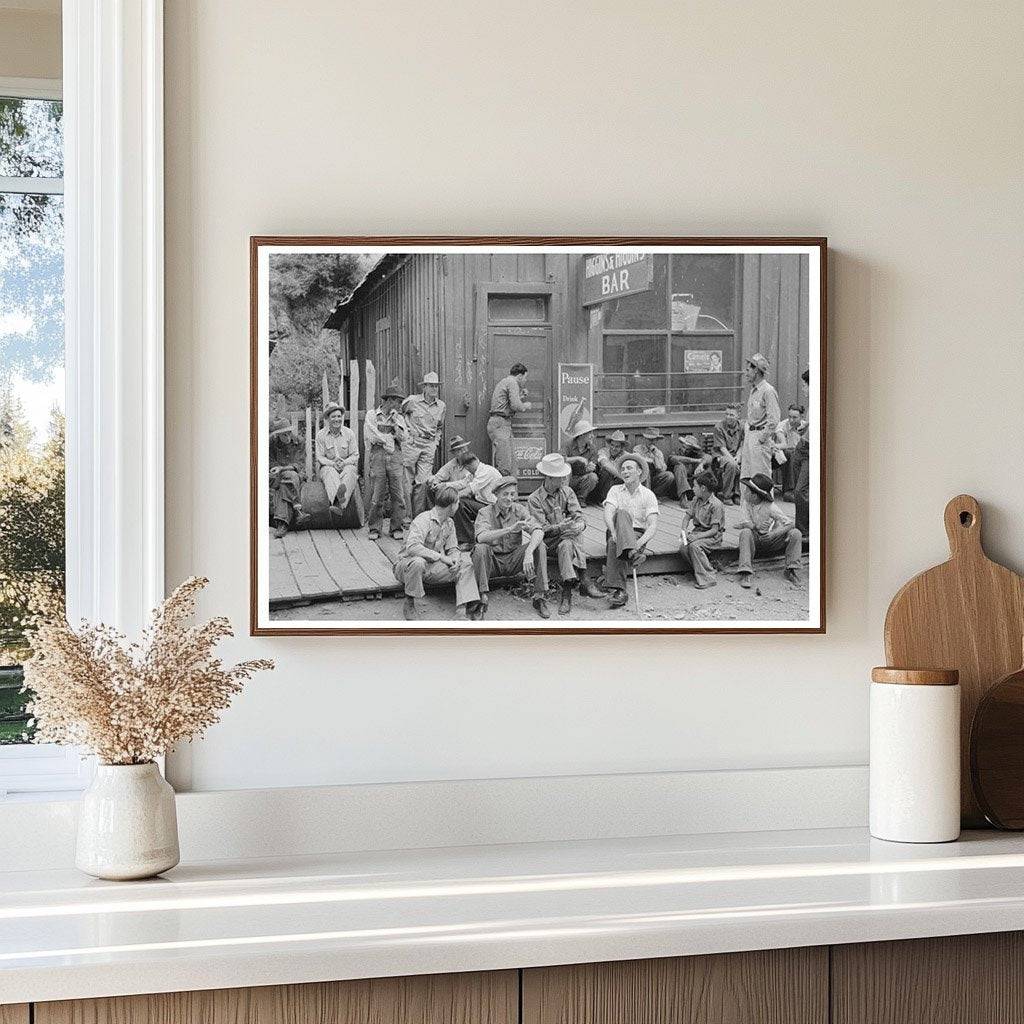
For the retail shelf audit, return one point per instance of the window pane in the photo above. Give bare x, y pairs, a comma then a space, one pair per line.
529, 308
703, 292
634, 376
704, 375
644, 310
31, 140
31, 431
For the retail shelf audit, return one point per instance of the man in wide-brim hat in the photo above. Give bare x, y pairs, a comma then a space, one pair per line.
767, 530
285, 477
580, 451
659, 479
424, 417
609, 455
336, 453
385, 434
501, 551
555, 506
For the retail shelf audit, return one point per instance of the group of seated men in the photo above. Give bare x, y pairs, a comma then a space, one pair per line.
478, 529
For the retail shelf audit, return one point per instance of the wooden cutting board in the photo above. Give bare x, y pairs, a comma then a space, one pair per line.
967, 614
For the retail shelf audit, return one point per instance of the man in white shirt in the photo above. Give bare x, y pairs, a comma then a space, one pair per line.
424, 417
476, 490
631, 519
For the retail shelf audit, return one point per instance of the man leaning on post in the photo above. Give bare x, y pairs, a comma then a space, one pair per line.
431, 555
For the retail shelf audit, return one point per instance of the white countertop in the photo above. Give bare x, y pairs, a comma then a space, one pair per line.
262, 922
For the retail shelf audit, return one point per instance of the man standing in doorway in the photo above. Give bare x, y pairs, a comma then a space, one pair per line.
631, 519
384, 433
424, 418
763, 415
506, 401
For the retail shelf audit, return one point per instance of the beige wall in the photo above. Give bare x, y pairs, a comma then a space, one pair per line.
895, 129
30, 43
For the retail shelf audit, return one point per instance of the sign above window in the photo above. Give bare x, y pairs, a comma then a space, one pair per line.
612, 275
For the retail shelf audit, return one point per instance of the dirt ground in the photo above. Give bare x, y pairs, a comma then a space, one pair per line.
664, 598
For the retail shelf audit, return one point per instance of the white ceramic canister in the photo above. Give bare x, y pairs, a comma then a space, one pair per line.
915, 755
127, 824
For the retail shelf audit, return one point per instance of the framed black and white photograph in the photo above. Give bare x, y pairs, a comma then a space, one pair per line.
541, 435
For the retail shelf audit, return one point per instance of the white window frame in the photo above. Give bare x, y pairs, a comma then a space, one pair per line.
114, 325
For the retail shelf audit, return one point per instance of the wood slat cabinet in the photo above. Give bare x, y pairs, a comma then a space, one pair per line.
480, 998
775, 986
969, 979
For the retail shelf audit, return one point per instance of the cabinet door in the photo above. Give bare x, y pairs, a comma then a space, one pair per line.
481, 998
961, 979
779, 986
14, 1013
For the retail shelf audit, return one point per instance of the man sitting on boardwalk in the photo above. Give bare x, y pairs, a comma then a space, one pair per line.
555, 506
726, 445
285, 477
501, 551
580, 451
337, 458
661, 481
767, 531
631, 519
476, 489
703, 529
431, 555
608, 456
384, 432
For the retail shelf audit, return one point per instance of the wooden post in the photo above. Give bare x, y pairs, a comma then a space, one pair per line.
371, 386
326, 392
353, 398
309, 444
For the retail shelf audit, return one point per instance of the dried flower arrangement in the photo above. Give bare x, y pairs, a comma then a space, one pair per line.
129, 703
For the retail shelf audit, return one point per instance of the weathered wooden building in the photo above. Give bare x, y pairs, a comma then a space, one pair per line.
664, 337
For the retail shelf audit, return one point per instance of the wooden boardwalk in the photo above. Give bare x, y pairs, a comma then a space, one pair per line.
330, 565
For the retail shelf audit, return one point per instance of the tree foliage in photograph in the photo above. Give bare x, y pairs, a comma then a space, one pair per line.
32, 554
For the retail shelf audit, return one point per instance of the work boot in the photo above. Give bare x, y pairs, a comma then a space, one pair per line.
374, 535
709, 584
540, 605
409, 609
790, 574
280, 530
590, 588
565, 604
338, 513
398, 534
462, 612
746, 579
616, 598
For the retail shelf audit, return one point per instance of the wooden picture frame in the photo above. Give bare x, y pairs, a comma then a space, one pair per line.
433, 300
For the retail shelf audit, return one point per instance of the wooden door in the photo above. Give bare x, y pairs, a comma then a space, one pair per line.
14, 1013
530, 346
479, 998
775, 986
959, 979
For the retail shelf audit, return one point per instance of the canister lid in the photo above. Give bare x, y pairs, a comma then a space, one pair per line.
916, 676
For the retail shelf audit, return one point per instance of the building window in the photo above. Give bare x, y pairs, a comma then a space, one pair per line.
673, 349
517, 309
31, 388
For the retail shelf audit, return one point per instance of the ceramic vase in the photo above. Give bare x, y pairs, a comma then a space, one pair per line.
127, 825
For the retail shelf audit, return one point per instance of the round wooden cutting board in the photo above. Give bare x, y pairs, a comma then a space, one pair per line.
967, 614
